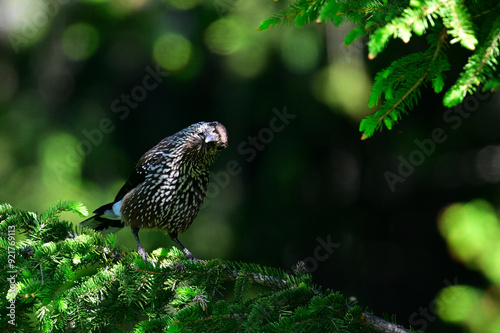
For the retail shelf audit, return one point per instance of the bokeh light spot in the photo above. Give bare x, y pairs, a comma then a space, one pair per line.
225, 36
248, 64
80, 41
488, 163
26, 21
456, 303
61, 163
300, 51
172, 51
344, 85
472, 232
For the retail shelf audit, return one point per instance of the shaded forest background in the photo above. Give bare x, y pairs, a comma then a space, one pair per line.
87, 87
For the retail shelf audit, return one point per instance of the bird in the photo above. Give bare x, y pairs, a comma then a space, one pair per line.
166, 189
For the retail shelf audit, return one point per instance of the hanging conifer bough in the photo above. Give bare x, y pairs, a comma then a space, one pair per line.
58, 279
475, 25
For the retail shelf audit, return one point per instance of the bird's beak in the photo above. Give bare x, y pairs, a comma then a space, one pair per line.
211, 137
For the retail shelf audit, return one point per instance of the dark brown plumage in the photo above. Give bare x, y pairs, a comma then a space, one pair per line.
167, 187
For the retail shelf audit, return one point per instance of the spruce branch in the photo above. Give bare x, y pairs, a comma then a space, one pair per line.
481, 65
301, 13
400, 84
380, 325
80, 280
474, 25
413, 19
458, 21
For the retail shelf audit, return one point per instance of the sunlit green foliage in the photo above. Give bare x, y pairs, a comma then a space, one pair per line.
399, 84
78, 280
472, 231
472, 24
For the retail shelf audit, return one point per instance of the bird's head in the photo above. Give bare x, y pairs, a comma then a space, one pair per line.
207, 138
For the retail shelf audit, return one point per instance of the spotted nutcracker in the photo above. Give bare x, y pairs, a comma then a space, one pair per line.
167, 187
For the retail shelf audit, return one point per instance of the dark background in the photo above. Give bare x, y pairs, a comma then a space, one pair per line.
313, 182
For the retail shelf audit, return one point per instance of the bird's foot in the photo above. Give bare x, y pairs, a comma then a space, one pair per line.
190, 256
143, 254
140, 249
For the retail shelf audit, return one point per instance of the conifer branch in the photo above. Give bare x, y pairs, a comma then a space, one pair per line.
380, 325
457, 19
383, 20
406, 84
301, 12
81, 281
484, 61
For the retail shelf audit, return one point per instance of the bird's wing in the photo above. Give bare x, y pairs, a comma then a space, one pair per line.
137, 177
150, 158
107, 218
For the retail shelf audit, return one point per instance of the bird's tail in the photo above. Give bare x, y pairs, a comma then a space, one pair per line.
107, 219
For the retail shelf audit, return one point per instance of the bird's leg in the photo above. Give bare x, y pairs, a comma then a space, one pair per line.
140, 249
187, 253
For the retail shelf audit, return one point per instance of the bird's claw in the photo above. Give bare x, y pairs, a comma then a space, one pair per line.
198, 260
143, 254
190, 256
